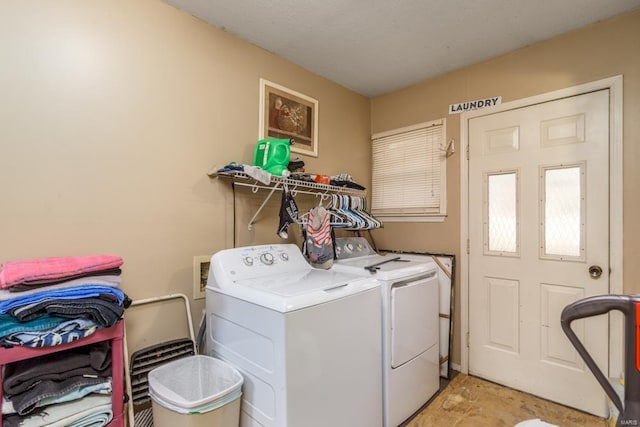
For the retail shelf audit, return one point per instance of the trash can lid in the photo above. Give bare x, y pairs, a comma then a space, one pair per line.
194, 381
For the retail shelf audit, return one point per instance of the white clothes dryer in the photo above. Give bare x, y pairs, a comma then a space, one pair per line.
307, 341
410, 319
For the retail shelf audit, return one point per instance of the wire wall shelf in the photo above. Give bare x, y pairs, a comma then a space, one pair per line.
277, 183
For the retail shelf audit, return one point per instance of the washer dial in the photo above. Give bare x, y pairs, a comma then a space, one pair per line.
267, 258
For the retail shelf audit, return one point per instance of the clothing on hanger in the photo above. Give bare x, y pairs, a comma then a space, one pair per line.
318, 244
288, 212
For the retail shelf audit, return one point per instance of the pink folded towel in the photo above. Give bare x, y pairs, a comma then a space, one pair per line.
25, 271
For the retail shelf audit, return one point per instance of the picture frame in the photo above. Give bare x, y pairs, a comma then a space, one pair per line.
201, 266
285, 113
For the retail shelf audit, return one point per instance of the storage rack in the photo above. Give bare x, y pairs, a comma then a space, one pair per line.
277, 183
114, 334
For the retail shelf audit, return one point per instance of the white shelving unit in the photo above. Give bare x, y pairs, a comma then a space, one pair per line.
277, 184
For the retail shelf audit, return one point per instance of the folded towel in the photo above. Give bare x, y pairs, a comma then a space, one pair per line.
93, 410
103, 313
92, 361
103, 386
28, 402
35, 270
67, 331
10, 325
112, 281
89, 291
36, 284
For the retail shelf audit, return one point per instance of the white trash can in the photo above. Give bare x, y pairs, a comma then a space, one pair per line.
196, 391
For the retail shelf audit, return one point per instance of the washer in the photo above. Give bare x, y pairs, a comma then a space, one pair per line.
410, 323
307, 341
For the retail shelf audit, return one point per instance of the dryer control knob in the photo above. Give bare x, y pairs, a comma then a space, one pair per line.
248, 261
284, 256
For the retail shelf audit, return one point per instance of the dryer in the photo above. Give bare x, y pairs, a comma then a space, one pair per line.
306, 341
410, 323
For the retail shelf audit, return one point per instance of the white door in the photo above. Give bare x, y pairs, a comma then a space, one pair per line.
539, 219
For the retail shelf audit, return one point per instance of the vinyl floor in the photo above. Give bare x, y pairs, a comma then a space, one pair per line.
468, 401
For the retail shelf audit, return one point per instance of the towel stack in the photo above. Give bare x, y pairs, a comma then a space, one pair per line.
51, 301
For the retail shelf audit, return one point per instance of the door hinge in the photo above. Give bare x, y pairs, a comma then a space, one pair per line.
468, 247
467, 339
467, 151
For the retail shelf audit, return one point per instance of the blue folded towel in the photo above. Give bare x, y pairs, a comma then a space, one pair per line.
91, 291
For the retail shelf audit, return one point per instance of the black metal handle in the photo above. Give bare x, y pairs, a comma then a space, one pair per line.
589, 307
593, 306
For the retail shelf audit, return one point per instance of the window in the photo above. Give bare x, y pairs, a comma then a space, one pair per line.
501, 236
563, 212
409, 173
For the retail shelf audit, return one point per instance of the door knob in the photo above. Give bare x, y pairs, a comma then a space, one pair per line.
595, 271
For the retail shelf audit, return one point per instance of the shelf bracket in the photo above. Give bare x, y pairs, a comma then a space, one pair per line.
253, 218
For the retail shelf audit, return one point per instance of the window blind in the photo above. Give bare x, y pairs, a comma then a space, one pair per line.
408, 171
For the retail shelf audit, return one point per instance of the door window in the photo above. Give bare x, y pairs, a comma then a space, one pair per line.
562, 232
501, 213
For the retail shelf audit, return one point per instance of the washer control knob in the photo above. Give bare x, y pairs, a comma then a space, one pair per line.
248, 261
267, 258
349, 247
284, 256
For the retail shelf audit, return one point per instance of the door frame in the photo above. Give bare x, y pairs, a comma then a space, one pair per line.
616, 324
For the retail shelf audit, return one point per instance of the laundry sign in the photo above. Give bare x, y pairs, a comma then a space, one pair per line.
474, 105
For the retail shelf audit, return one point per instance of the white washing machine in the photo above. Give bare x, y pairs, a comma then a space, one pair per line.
307, 341
410, 323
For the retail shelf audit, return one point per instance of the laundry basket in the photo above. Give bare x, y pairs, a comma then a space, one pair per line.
197, 391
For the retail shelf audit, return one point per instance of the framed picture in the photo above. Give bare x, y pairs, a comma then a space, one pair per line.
285, 113
200, 274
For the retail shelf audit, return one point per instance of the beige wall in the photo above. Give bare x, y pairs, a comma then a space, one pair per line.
113, 111
605, 49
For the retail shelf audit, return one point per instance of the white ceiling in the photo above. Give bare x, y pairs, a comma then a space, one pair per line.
377, 46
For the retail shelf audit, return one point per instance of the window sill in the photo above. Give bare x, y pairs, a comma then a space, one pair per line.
430, 218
